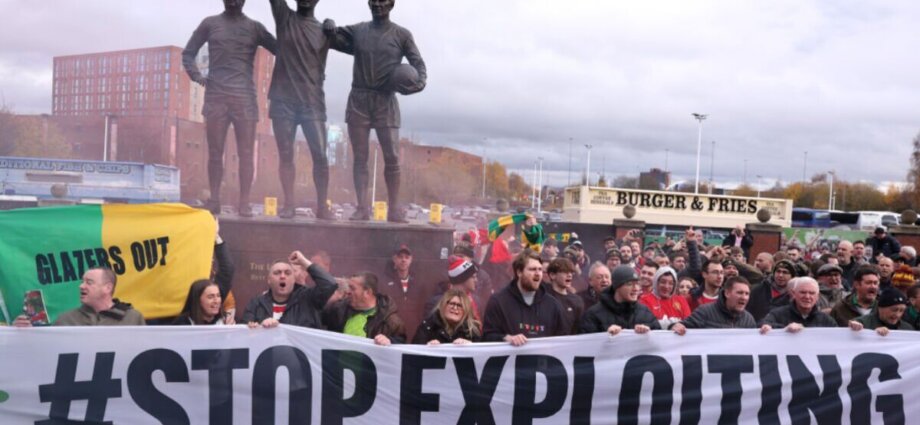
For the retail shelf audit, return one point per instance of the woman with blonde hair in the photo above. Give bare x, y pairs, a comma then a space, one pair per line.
453, 321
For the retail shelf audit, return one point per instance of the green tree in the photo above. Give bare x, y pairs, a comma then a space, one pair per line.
497, 180
519, 188
34, 136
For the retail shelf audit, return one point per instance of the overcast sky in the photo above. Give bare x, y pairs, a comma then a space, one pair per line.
518, 79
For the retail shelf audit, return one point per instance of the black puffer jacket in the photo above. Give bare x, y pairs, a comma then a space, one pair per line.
717, 316
608, 312
305, 305
433, 328
781, 317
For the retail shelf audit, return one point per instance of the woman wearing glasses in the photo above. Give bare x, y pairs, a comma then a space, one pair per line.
452, 322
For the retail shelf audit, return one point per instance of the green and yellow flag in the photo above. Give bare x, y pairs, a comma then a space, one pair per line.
156, 250
533, 236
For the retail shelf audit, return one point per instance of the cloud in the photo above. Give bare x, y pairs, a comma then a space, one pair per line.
521, 78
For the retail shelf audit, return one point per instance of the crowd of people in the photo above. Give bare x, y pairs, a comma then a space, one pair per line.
555, 291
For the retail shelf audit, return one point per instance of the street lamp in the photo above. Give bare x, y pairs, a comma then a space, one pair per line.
745, 171
759, 184
699, 147
533, 191
484, 144
540, 188
588, 166
830, 191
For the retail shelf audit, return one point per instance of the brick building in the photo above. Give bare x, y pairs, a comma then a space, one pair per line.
141, 82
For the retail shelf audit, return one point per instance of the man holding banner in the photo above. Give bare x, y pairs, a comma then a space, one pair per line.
289, 303
619, 307
523, 309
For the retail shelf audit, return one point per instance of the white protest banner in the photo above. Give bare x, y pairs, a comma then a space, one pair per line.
233, 375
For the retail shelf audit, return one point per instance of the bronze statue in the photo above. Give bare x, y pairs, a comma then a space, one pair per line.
298, 99
378, 47
230, 93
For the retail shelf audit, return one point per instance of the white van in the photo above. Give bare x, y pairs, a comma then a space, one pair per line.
869, 220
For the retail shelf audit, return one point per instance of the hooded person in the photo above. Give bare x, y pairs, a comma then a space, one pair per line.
773, 292
663, 301
887, 315
619, 307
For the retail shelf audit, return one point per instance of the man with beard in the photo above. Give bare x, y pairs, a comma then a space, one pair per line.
230, 92
626, 255
561, 271
378, 47
287, 302
523, 309
678, 261
298, 99
801, 313
727, 312
862, 300
598, 280
830, 286
619, 308
772, 293
886, 316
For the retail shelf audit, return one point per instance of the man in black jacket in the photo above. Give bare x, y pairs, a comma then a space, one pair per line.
289, 303
727, 312
802, 312
523, 309
619, 308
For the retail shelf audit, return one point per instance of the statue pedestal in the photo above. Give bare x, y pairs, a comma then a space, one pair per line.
907, 235
621, 227
767, 238
353, 246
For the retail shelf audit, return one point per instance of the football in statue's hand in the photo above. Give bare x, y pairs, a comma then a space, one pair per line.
405, 80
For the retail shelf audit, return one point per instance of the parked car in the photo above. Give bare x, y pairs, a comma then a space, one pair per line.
304, 212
